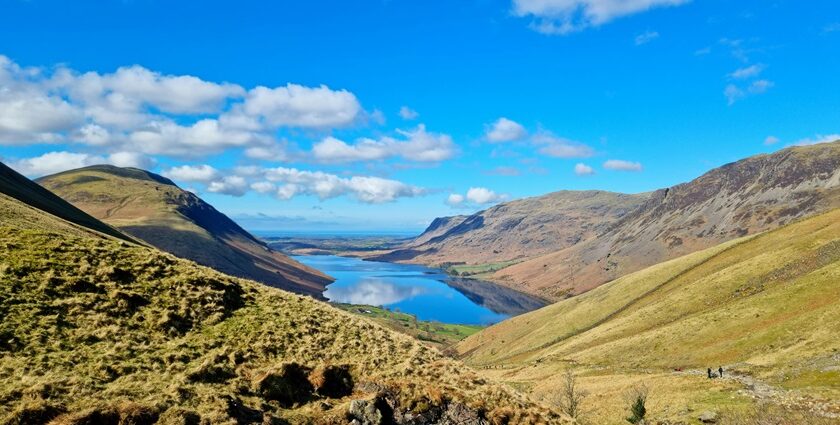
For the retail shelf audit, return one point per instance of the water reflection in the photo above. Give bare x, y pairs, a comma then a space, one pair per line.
427, 293
372, 291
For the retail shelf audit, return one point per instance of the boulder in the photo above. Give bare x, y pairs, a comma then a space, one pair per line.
708, 417
365, 412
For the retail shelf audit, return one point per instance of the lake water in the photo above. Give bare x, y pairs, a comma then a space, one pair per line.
427, 293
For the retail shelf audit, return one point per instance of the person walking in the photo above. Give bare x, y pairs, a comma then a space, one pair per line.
720, 371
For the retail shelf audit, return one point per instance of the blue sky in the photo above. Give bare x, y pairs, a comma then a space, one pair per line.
381, 115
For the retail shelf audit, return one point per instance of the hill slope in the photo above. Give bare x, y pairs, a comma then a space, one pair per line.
153, 209
21, 188
519, 229
764, 306
94, 330
742, 198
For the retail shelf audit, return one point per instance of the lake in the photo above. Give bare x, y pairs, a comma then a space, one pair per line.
430, 294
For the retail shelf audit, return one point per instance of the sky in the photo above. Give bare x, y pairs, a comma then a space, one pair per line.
378, 116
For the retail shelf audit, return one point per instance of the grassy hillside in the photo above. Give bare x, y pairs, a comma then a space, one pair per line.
153, 209
749, 196
19, 187
766, 307
96, 330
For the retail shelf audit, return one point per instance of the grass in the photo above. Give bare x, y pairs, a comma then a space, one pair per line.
436, 334
764, 306
477, 269
96, 330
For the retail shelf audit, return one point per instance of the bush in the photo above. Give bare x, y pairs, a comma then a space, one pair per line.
637, 398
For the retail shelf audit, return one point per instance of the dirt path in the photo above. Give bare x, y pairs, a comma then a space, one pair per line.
764, 392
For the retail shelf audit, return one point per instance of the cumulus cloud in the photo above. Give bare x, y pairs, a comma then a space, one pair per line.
568, 16
416, 145
621, 165
56, 162
582, 169
299, 106
646, 37
407, 113
229, 185
192, 173
482, 195
559, 147
292, 182
140, 110
455, 200
505, 130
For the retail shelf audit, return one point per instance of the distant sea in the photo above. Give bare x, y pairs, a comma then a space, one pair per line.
332, 234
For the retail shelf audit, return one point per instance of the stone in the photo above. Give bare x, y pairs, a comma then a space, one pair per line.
708, 417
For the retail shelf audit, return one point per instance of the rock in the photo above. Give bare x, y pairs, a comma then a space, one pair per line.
459, 414
365, 412
708, 417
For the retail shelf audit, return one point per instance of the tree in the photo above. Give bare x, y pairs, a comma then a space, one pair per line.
571, 397
637, 398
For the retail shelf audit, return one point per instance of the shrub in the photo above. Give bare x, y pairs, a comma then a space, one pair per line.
637, 398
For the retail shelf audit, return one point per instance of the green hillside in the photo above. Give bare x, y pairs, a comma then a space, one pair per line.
766, 307
97, 331
155, 210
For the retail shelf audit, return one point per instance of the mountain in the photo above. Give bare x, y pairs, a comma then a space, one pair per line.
518, 230
21, 188
153, 209
742, 198
766, 307
570, 242
94, 330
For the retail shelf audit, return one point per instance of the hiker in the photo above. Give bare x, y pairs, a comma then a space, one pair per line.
709, 372
720, 371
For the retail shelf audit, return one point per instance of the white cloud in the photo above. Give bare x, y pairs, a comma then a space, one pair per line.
621, 165
505, 130
407, 113
229, 185
482, 195
734, 93
202, 138
131, 159
418, 145
747, 72
56, 162
582, 169
646, 37
192, 173
567, 16
559, 147
263, 187
455, 200
771, 140
374, 190
272, 152
298, 106
820, 138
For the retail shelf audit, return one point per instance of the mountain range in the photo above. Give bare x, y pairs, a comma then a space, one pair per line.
567, 243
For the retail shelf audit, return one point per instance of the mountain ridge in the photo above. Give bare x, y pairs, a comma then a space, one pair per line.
154, 209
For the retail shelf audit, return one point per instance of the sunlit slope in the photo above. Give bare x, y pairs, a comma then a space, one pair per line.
24, 190
746, 197
95, 330
769, 303
152, 208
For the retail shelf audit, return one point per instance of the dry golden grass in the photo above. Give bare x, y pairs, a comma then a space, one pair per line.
766, 307
95, 330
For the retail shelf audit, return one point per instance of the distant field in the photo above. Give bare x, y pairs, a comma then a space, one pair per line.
338, 245
477, 269
441, 335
